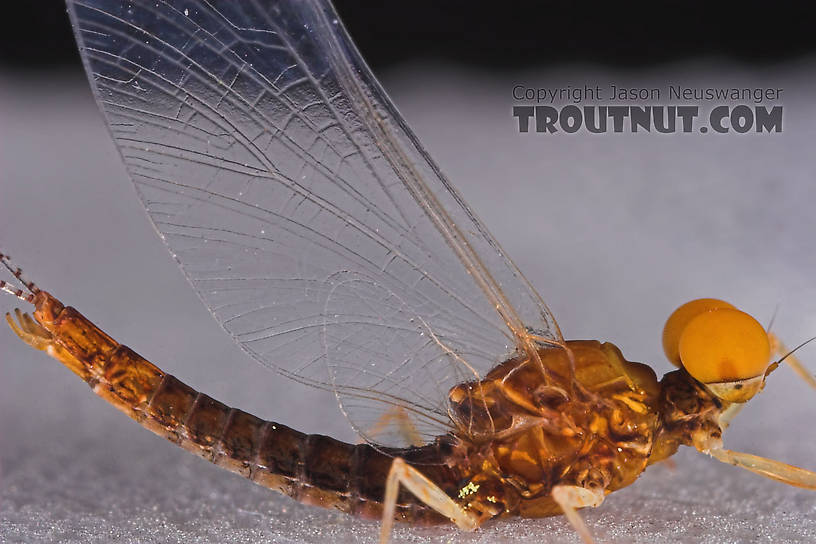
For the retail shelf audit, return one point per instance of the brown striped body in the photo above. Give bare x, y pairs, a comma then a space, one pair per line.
595, 420
312, 469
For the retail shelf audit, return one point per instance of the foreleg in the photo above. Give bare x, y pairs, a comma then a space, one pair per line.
770, 468
781, 350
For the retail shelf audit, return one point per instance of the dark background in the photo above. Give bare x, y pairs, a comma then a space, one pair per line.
37, 34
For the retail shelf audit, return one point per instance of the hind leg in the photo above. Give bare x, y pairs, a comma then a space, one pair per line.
426, 491
405, 428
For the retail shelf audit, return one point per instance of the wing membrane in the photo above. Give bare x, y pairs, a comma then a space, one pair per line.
300, 207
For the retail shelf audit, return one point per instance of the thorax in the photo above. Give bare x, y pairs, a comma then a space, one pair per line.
526, 429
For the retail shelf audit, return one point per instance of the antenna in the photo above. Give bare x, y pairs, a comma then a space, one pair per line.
773, 318
791, 352
791, 359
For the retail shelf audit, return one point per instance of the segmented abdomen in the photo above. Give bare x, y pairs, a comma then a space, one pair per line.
312, 469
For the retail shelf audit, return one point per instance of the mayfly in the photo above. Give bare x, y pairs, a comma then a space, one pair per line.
326, 242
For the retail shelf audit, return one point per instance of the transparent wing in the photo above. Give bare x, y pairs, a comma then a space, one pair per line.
301, 208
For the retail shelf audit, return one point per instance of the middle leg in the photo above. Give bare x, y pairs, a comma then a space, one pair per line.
572, 497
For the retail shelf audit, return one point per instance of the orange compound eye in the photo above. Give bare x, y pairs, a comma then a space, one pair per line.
724, 345
681, 317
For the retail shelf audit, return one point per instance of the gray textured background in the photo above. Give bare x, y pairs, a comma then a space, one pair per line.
614, 230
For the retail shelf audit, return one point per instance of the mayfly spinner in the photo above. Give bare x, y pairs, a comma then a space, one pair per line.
326, 242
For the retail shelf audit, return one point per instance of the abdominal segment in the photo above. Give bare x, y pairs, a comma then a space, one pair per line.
312, 469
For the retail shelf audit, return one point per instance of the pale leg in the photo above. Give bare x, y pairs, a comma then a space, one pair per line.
426, 491
775, 470
572, 497
405, 426
782, 351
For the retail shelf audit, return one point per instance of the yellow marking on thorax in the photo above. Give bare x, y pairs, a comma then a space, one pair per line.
634, 405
